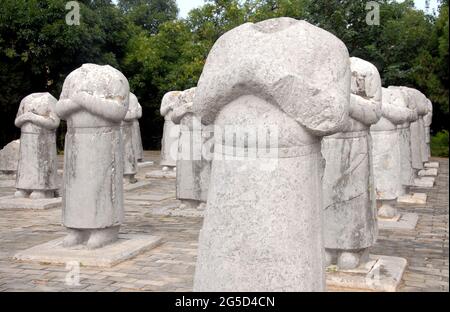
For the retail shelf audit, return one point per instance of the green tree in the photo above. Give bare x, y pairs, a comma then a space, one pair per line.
149, 14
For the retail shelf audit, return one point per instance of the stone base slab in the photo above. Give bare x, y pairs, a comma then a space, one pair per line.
424, 182
432, 165
11, 202
407, 221
431, 172
415, 199
128, 187
145, 164
127, 247
381, 273
159, 174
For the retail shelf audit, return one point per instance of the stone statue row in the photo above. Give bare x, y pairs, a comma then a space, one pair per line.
284, 201
102, 146
344, 144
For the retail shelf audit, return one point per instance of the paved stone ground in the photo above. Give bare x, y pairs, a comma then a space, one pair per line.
170, 267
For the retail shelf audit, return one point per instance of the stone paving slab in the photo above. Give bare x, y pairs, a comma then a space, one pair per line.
128, 246
11, 202
382, 274
406, 221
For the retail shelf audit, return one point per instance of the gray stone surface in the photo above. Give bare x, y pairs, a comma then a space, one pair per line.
387, 151
417, 100
126, 247
432, 165
268, 76
11, 202
94, 101
37, 168
131, 146
350, 224
135, 186
427, 121
158, 174
413, 198
171, 132
430, 172
9, 157
424, 182
405, 221
171, 265
193, 169
381, 273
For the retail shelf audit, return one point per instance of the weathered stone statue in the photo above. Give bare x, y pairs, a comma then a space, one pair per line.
349, 197
427, 121
129, 138
37, 169
264, 88
171, 132
94, 101
417, 100
387, 158
137, 139
193, 170
404, 131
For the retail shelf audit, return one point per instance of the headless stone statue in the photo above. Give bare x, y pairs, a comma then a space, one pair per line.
404, 131
136, 134
129, 138
171, 132
264, 88
94, 101
427, 121
37, 167
416, 100
387, 151
193, 170
349, 198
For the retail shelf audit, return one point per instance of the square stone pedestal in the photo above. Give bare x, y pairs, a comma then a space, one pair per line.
415, 199
381, 274
11, 202
432, 165
405, 221
159, 174
145, 164
127, 247
128, 187
424, 182
431, 172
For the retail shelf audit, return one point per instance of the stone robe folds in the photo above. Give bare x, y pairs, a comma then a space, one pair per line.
404, 131
93, 160
130, 145
37, 166
193, 170
263, 222
427, 120
171, 131
387, 159
349, 197
416, 100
